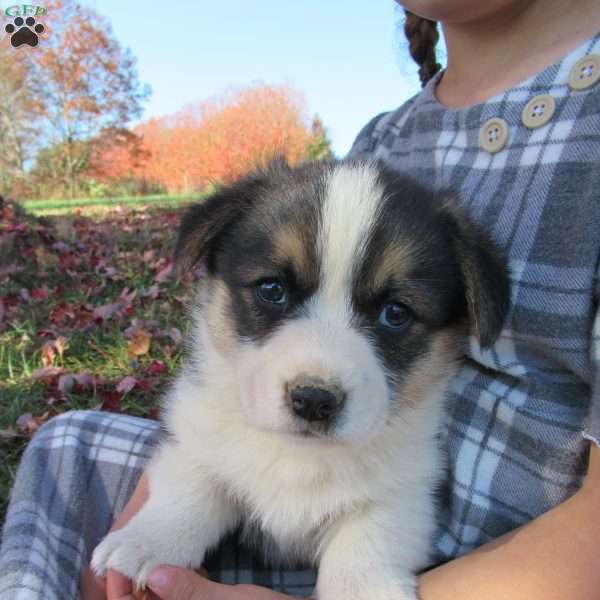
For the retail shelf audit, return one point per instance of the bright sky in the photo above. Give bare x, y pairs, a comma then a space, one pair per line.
344, 55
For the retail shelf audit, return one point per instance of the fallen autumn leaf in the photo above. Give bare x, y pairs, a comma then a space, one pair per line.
139, 344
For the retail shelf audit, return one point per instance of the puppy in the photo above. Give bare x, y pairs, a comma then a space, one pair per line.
337, 301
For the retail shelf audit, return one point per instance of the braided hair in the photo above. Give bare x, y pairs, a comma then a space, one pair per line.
422, 35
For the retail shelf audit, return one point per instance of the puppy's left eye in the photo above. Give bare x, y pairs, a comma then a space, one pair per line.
395, 315
271, 291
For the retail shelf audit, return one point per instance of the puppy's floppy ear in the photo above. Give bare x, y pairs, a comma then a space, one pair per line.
485, 276
204, 223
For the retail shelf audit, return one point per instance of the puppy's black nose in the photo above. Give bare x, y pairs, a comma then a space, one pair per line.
315, 403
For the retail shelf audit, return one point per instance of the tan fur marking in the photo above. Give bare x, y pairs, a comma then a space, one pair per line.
217, 322
290, 245
250, 274
397, 261
438, 364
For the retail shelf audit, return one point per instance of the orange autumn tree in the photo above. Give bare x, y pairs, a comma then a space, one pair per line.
257, 125
217, 141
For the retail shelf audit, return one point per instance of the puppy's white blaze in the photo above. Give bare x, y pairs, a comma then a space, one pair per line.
349, 209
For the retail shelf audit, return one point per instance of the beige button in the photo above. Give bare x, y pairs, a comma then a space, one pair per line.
538, 111
493, 135
585, 72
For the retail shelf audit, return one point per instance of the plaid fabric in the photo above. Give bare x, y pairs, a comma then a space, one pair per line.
517, 412
515, 434
75, 477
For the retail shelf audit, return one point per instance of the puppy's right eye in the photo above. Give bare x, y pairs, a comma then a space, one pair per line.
395, 315
271, 291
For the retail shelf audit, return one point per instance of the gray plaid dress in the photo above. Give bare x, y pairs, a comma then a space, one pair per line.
520, 415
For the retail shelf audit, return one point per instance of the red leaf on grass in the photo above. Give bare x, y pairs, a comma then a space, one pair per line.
21, 227
66, 383
157, 367
111, 400
126, 384
85, 379
152, 292
61, 247
40, 293
29, 424
84, 319
11, 269
68, 261
110, 273
127, 296
164, 274
46, 333
122, 305
143, 386
46, 373
62, 313
148, 325
105, 312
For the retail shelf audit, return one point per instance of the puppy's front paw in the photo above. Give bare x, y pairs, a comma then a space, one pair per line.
130, 552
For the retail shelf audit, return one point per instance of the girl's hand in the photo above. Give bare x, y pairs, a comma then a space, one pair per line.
174, 583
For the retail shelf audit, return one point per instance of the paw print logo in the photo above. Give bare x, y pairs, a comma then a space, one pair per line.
24, 32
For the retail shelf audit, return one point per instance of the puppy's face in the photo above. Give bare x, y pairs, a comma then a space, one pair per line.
339, 293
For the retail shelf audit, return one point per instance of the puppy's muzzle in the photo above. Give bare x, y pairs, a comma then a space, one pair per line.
313, 399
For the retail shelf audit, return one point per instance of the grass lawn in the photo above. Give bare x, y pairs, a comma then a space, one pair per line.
89, 316
104, 205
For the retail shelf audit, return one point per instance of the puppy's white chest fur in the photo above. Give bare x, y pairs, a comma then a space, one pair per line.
294, 492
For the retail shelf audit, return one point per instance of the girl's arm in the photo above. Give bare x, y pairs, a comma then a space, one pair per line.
555, 557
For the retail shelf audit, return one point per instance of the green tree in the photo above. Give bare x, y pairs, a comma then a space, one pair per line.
319, 146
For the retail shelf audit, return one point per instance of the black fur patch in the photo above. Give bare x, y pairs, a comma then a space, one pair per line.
246, 255
425, 277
